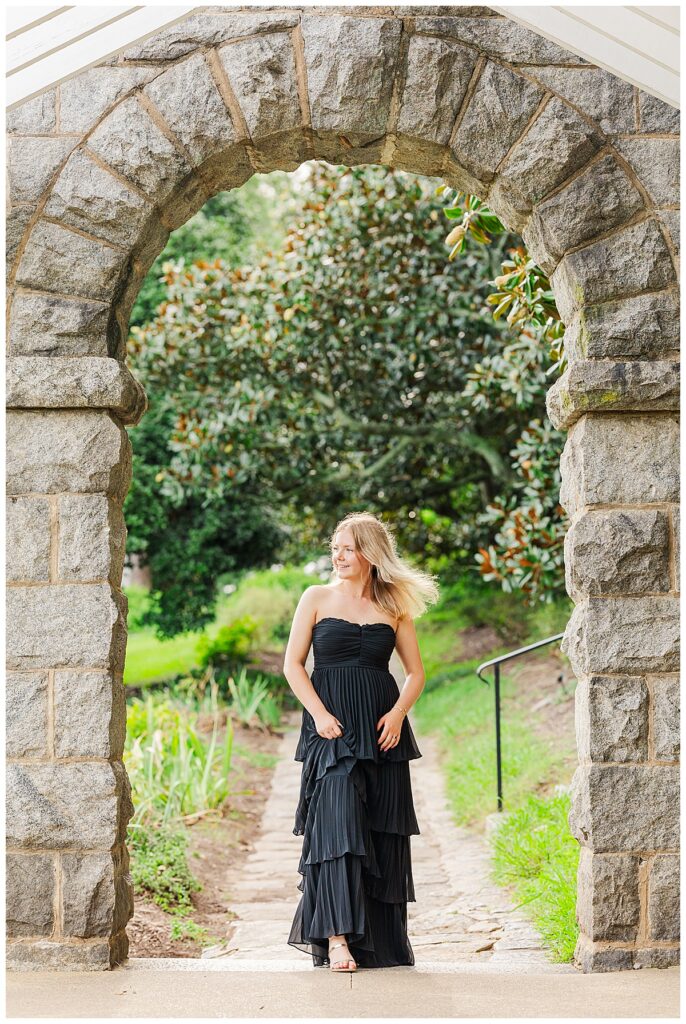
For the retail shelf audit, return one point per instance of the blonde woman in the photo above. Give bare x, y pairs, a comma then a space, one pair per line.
355, 809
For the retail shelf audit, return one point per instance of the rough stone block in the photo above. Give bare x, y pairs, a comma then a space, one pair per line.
500, 108
592, 958
598, 271
16, 222
28, 538
261, 71
56, 806
65, 450
666, 700
438, 73
670, 223
618, 551
188, 98
66, 624
85, 98
606, 99
625, 808
226, 170
620, 458
594, 386
59, 260
90, 714
123, 901
88, 894
657, 956
34, 117
656, 163
91, 539
608, 905
35, 382
642, 327
89, 198
209, 28
26, 711
132, 144
664, 897
657, 116
58, 956
30, 894
32, 163
595, 202
498, 37
44, 325
616, 635
556, 145
350, 70
611, 718
676, 553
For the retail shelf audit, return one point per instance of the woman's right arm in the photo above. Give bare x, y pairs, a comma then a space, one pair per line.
297, 649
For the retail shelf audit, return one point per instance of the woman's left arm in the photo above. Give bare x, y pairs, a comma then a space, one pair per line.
407, 647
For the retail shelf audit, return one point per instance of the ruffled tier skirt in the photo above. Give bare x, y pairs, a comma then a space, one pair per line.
356, 815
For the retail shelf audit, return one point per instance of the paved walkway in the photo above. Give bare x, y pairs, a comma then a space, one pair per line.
459, 917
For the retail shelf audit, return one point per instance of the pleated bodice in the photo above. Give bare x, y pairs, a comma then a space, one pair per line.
352, 678
341, 642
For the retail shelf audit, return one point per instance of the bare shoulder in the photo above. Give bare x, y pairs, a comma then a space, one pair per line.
311, 596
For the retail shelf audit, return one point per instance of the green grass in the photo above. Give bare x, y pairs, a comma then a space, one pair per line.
460, 712
535, 854
270, 597
149, 660
176, 772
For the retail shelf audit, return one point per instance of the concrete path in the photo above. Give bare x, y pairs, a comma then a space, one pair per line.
145, 989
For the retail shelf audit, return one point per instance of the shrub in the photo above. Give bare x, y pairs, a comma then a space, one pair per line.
229, 648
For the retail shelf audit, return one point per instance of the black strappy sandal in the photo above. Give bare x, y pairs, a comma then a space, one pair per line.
350, 959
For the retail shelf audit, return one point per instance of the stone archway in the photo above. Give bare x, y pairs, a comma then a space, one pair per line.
103, 169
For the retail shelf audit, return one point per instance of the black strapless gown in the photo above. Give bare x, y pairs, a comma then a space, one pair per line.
355, 809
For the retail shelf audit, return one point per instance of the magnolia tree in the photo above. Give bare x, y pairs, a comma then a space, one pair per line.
526, 552
349, 368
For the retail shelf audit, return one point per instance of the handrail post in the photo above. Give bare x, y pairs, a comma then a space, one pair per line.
497, 737
496, 663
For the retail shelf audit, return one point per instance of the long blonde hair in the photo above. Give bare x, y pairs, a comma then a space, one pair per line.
396, 587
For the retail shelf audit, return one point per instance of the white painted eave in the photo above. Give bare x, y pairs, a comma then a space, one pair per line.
46, 45
638, 44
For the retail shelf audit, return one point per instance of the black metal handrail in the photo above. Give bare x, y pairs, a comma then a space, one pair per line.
496, 663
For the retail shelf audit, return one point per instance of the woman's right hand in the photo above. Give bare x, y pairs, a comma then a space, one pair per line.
328, 726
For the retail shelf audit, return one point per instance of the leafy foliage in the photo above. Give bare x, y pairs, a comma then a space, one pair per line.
233, 226
333, 374
526, 550
527, 547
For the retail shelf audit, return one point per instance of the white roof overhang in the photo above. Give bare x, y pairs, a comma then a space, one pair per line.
48, 45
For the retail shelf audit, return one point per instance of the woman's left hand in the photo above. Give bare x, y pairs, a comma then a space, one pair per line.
392, 723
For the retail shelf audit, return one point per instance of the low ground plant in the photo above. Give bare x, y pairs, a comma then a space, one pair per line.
176, 774
535, 854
